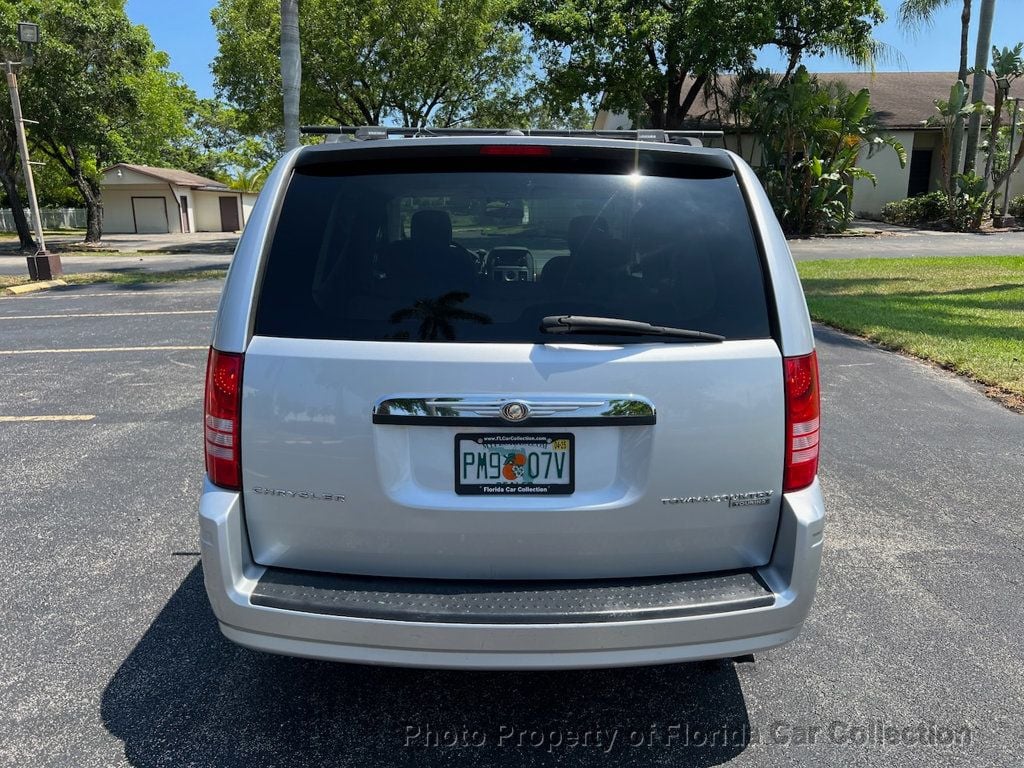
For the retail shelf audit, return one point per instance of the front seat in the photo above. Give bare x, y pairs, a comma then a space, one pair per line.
582, 230
431, 235
431, 228
428, 259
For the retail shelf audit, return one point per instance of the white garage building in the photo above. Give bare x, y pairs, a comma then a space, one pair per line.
142, 199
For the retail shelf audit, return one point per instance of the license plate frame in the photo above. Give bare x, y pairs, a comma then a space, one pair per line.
495, 442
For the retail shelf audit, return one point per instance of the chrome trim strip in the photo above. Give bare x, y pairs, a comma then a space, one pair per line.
486, 410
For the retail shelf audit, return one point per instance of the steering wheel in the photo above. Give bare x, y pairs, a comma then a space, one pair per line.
471, 256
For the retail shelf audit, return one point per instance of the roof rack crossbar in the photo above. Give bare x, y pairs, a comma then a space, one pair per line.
372, 132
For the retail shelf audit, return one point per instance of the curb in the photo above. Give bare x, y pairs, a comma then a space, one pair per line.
41, 285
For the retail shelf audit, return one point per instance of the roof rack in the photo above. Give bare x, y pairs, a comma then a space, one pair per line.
377, 132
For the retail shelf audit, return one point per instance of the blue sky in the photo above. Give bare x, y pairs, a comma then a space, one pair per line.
183, 29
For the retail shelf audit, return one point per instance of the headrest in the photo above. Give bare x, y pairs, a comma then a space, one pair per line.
431, 227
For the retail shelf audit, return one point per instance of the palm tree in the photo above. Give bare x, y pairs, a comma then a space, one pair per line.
914, 14
249, 180
291, 70
988, 10
435, 315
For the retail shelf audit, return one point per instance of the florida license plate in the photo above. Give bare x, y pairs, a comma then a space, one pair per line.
519, 464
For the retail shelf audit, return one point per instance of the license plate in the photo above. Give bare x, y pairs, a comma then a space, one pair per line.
517, 464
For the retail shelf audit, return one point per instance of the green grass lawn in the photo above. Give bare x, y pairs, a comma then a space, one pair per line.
965, 313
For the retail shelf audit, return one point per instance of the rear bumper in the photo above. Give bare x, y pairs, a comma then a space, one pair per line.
231, 579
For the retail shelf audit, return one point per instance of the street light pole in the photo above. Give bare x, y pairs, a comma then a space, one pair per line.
1013, 135
43, 265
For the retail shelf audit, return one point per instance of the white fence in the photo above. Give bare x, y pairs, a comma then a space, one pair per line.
53, 218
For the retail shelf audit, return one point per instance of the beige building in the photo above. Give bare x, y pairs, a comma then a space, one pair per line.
141, 199
902, 102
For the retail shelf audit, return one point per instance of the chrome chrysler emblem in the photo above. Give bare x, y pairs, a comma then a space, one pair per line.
515, 411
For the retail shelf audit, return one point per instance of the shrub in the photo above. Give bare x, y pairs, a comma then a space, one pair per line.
1016, 208
917, 211
812, 134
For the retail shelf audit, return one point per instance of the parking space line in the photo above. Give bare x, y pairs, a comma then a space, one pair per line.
72, 417
138, 294
168, 348
110, 314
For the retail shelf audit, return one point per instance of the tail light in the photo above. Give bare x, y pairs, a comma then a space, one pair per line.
803, 419
222, 418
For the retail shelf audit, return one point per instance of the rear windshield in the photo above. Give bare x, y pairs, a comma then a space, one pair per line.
457, 255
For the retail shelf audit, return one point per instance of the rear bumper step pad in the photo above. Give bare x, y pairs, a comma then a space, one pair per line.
510, 602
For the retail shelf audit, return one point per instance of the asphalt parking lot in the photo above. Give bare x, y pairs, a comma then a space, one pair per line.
906, 243
112, 656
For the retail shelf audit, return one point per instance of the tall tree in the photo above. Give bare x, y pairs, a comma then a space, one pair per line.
10, 171
53, 187
648, 58
988, 9
216, 145
814, 28
418, 62
100, 91
291, 71
652, 58
914, 14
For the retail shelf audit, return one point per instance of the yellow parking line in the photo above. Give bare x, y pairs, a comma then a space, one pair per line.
80, 417
110, 314
99, 349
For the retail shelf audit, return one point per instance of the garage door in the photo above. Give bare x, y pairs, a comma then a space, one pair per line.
150, 215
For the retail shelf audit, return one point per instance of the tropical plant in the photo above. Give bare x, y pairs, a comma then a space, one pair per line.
952, 113
730, 98
968, 193
1008, 64
967, 203
812, 135
998, 179
249, 180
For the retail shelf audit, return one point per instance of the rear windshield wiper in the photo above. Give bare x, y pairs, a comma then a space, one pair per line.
612, 325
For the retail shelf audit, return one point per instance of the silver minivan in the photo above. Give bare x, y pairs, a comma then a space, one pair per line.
496, 401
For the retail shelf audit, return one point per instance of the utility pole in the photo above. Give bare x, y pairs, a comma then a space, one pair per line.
988, 10
43, 265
